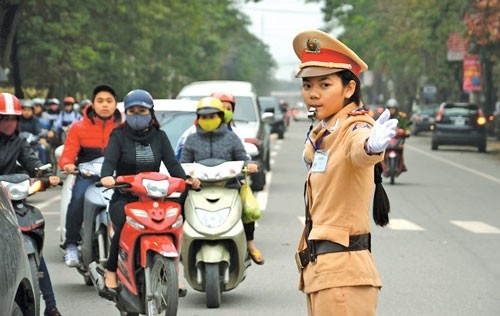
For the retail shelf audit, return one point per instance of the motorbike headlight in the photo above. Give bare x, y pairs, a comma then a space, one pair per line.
17, 191
135, 224
155, 188
212, 219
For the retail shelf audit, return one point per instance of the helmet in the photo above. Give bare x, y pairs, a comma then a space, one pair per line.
9, 104
27, 103
69, 100
138, 97
392, 103
53, 101
84, 103
37, 101
209, 105
224, 97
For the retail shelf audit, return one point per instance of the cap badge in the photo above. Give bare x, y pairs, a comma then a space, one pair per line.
312, 46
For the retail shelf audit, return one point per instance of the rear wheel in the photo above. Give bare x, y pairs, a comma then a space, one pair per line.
482, 146
164, 288
212, 285
434, 145
35, 276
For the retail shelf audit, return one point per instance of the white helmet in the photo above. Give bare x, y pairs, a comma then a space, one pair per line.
392, 103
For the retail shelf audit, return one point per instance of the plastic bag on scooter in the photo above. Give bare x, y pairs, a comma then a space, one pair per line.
251, 210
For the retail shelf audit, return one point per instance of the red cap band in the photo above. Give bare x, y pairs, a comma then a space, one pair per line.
329, 56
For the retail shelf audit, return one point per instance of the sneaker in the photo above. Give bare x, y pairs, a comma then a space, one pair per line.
52, 311
72, 256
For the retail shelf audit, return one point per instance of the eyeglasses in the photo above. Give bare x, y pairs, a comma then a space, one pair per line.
7, 117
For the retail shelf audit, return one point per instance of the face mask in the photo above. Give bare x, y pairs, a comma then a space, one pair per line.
209, 124
138, 122
228, 116
7, 127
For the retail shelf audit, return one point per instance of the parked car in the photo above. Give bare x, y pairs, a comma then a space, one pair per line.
17, 295
422, 118
272, 104
459, 124
251, 124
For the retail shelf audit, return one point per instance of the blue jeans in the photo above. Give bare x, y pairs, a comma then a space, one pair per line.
46, 285
74, 215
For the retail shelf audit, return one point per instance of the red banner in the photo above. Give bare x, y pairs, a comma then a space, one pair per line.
472, 73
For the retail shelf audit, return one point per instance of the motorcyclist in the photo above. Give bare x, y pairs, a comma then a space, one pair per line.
86, 140
229, 103
16, 150
403, 122
28, 122
67, 116
213, 140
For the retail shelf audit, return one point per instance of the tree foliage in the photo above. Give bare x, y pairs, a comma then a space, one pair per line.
404, 41
67, 47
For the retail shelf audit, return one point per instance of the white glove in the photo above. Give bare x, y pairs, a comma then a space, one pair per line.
382, 132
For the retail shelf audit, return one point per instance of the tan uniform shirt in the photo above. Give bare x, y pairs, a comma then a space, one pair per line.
339, 201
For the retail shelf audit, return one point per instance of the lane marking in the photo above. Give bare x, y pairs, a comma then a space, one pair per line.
477, 227
403, 224
454, 164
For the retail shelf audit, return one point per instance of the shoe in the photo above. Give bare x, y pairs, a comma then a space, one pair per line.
256, 257
72, 256
52, 311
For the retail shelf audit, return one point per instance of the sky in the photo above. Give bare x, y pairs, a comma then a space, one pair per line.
276, 22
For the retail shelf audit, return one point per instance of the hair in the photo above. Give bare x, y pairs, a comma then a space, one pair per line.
346, 76
381, 204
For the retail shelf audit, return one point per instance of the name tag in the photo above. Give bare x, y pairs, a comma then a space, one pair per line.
320, 161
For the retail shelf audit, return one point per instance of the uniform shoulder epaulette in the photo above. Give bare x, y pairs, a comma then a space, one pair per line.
357, 112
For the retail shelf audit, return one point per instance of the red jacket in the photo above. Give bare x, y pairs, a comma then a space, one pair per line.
87, 138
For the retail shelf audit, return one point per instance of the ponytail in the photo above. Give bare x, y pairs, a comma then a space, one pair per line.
381, 204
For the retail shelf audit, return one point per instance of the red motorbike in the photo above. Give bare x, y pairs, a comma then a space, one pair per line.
149, 247
393, 164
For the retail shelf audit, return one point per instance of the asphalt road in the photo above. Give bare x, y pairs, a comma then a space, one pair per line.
439, 256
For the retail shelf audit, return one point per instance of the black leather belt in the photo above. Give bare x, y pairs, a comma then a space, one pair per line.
319, 247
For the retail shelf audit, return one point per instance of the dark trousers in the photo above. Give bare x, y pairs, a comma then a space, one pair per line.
46, 285
74, 215
117, 214
249, 229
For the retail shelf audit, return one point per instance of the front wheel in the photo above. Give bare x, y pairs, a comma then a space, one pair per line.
212, 285
35, 276
164, 287
392, 169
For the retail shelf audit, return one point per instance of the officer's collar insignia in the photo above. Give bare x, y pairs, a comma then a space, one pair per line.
357, 112
312, 46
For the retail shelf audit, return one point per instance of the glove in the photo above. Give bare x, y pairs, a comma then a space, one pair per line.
382, 132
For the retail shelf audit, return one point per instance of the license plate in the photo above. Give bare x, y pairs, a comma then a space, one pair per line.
460, 121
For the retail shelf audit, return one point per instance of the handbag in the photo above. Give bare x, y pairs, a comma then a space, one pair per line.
250, 207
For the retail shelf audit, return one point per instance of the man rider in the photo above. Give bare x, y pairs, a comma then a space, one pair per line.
86, 140
403, 122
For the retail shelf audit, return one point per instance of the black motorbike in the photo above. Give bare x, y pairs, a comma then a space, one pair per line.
30, 219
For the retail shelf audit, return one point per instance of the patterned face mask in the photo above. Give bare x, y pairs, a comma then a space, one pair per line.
138, 122
209, 124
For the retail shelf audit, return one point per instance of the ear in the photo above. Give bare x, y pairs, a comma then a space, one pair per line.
349, 89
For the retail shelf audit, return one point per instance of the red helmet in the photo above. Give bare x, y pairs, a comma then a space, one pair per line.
9, 104
224, 97
69, 100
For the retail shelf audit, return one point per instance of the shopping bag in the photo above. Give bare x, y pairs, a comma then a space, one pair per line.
251, 210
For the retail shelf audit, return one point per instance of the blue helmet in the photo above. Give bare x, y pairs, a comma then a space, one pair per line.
138, 97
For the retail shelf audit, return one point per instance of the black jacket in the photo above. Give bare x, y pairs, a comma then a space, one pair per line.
126, 146
14, 148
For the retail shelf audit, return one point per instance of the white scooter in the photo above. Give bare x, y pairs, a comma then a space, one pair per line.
94, 246
214, 248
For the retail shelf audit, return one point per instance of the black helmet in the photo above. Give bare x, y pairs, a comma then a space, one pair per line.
138, 97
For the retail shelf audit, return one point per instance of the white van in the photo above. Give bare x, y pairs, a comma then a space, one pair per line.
252, 126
